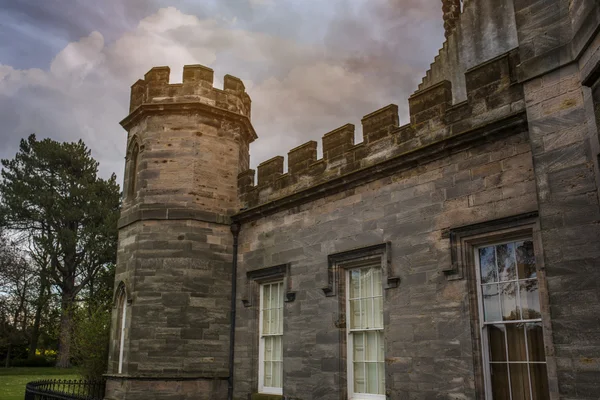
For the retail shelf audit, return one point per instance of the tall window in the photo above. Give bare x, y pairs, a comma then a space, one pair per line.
133, 169
509, 308
270, 369
364, 306
122, 315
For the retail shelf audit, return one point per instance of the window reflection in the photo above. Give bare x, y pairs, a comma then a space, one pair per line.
511, 320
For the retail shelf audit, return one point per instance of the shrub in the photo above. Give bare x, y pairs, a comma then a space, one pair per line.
90, 342
36, 361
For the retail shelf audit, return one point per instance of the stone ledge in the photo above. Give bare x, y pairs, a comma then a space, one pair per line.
172, 214
264, 396
190, 106
163, 377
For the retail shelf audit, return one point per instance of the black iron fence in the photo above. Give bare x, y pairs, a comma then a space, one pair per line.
58, 389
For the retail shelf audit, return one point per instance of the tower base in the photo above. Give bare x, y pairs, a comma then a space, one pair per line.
175, 388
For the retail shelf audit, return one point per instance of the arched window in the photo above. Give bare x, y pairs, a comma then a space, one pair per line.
133, 169
121, 318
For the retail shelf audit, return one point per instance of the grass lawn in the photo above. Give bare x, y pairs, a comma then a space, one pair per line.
13, 380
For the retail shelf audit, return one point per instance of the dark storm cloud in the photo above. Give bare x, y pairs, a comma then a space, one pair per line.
310, 66
33, 31
391, 41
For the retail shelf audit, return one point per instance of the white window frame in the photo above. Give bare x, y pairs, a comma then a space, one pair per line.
261, 338
350, 339
485, 349
123, 300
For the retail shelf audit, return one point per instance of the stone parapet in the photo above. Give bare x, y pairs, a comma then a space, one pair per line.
492, 95
197, 85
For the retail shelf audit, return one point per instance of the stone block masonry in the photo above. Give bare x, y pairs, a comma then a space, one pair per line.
175, 245
428, 337
502, 144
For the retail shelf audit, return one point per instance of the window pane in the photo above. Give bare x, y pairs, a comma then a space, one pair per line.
268, 348
355, 314
359, 346
496, 342
381, 353
377, 289
506, 262
500, 386
378, 315
367, 313
266, 322
277, 374
487, 264
277, 348
354, 283
366, 278
515, 335
273, 296
491, 305
508, 296
525, 259
280, 313
539, 381
381, 374
359, 378
274, 321
530, 299
372, 346
519, 381
268, 374
535, 342
265, 297
280, 294
372, 381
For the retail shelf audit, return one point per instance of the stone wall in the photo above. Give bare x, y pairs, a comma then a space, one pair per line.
504, 125
427, 317
175, 244
564, 137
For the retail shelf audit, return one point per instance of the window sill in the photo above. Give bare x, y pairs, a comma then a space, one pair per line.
265, 396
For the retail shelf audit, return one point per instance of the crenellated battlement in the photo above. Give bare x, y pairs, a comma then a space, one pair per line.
196, 86
492, 96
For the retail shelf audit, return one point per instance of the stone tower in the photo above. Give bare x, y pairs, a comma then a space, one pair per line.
186, 145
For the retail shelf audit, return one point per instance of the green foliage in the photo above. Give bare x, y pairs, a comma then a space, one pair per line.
36, 361
90, 341
50, 192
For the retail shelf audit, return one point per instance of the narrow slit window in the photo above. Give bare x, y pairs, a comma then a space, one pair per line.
133, 169
121, 327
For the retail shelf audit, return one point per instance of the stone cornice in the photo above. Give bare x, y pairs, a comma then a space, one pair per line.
510, 125
158, 213
182, 107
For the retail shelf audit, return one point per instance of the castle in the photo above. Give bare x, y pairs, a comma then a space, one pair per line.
455, 257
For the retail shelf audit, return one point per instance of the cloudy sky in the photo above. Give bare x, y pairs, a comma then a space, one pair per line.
309, 66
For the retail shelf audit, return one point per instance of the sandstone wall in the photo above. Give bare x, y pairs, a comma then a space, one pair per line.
427, 318
175, 243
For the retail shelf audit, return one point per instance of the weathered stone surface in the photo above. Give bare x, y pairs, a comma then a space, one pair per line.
174, 254
504, 124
